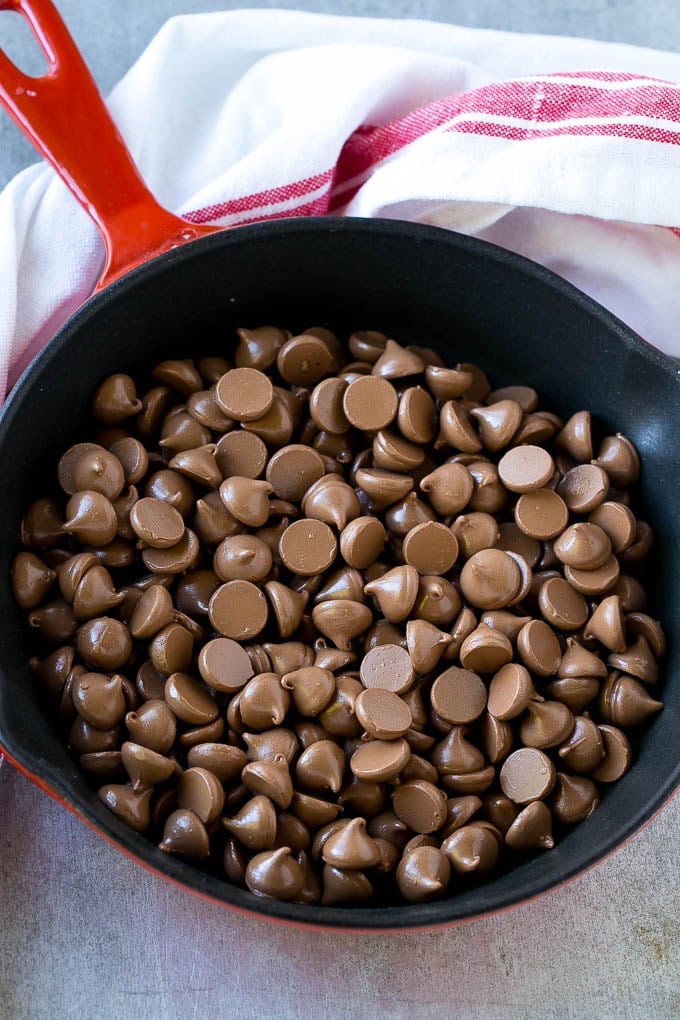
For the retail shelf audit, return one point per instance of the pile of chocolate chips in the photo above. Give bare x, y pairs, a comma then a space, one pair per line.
343, 631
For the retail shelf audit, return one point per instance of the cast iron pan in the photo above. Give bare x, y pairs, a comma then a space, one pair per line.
471, 301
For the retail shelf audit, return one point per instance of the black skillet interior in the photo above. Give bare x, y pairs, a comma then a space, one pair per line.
471, 301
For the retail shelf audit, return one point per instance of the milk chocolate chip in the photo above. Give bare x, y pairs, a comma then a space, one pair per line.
510, 691
395, 592
384, 487
341, 620
575, 437
380, 761
31, 579
620, 460
458, 695
244, 394
383, 714
431, 548
387, 668
308, 547
490, 579
584, 488
189, 700
370, 403
485, 650
532, 829
156, 523
242, 557
241, 453
275, 873
541, 514
393, 528
104, 643
526, 468
527, 775
247, 499
539, 648
618, 522
99, 471
224, 665
421, 805
304, 360
186, 835
99, 699
238, 610
362, 541
321, 767
472, 850
449, 488
200, 791
561, 606
131, 807
91, 518
152, 725
115, 400
255, 824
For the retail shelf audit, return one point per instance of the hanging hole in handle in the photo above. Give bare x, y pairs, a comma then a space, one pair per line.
21, 46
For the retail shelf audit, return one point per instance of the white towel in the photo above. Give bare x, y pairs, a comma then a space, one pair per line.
565, 150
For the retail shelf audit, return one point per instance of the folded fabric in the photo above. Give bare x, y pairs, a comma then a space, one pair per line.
562, 149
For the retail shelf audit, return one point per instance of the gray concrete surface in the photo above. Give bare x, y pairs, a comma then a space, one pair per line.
86, 933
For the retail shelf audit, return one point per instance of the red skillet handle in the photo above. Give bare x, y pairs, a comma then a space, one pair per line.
65, 117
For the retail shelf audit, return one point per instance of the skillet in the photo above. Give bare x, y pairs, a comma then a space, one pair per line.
170, 288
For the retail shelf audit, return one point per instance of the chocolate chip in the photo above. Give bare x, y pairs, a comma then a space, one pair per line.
156, 523
421, 805
238, 610
31, 579
458, 695
431, 548
224, 665
561, 606
416, 416
526, 468
387, 668
384, 487
308, 547
91, 518
584, 488
620, 460
179, 373
115, 400
244, 394
527, 775
370, 403
383, 714
510, 691
498, 423
391, 530
177, 558
539, 648
618, 523
490, 579
541, 514
242, 557
379, 761
362, 541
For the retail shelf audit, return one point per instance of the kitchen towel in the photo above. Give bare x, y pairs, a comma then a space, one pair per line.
565, 150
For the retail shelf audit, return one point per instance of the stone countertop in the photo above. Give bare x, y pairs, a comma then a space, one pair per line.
85, 932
